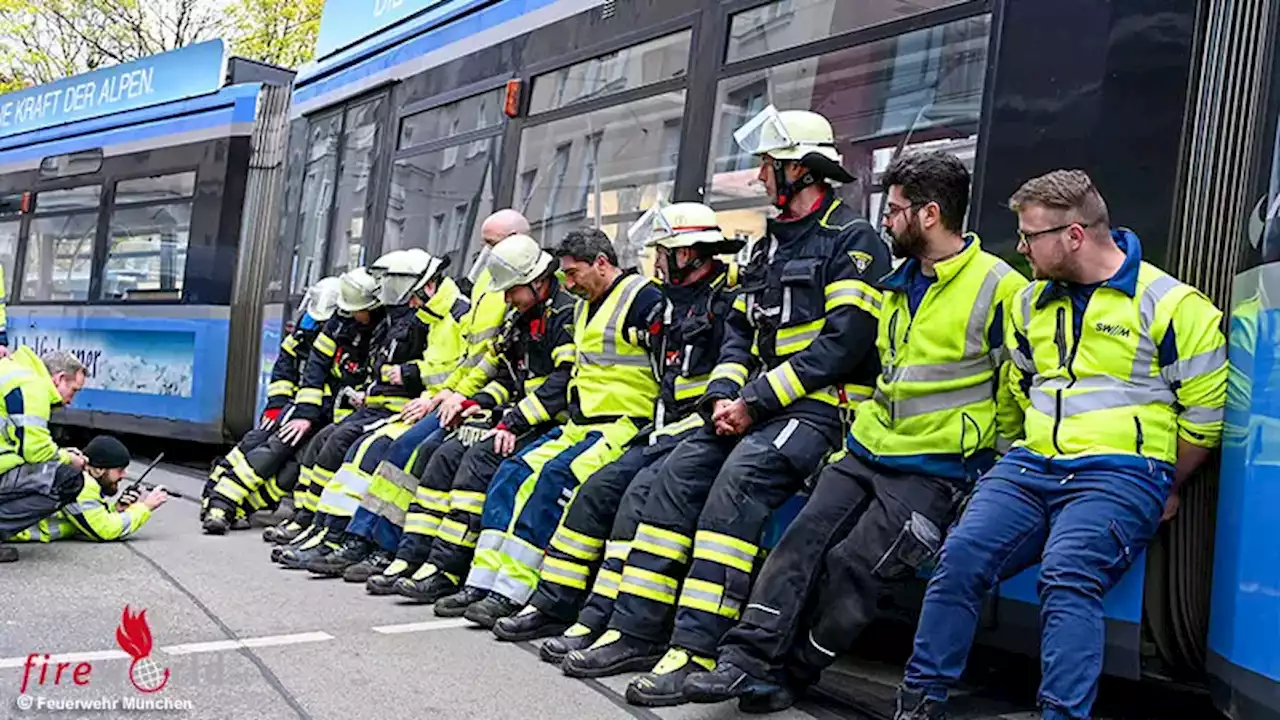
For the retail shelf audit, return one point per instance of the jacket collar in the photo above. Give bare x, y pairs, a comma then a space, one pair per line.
898, 280
789, 229
440, 305
28, 360
1125, 279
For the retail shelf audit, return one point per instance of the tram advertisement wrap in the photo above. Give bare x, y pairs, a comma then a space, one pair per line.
151, 362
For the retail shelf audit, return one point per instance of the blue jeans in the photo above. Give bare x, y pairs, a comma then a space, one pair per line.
402, 449
1084, 521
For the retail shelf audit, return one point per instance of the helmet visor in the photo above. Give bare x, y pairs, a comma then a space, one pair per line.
651, 227
763, 133
481, 262
396, 288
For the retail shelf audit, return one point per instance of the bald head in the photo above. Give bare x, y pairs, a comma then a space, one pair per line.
502, 224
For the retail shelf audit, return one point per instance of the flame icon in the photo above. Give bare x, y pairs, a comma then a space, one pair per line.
134, 637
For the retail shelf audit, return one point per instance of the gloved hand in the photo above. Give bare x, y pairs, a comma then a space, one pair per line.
127, 498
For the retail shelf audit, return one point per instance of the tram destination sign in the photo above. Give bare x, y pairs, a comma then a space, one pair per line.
175, 75
345, 22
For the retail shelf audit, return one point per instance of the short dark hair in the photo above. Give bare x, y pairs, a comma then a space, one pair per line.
927, 177
585, 245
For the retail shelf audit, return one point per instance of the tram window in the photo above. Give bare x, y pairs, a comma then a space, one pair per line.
84, 162
601, 168
423, 187
59, 257
786, 23
359, 147
8, 251
474, 113
928, 82
10, 205
632, 67
317, 193
147, 252
84, 197
158, 187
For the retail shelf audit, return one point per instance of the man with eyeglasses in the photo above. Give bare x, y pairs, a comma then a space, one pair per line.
1121, 372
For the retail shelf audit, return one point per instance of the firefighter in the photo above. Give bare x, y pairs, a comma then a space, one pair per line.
931, 428
440, 316
417, 346
318, 305
394, 473
806, 319
36, 476
335, 363
612, 394
699, 296
527, 398
1121, 372
92, 516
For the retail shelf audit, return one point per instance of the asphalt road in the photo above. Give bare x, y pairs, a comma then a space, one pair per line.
243, 638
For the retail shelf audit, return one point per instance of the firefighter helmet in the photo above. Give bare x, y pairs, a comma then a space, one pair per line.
359, 291
798, 135
517, 260
678, 225
321, 299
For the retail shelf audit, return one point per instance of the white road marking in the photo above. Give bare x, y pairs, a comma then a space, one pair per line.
269, 641
421, 626
223, 645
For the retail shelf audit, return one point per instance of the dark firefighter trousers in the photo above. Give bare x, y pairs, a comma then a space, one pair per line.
384, 509
696, 545
260, 470
595, 535
321, 460
31, 493
864, 528
442, 536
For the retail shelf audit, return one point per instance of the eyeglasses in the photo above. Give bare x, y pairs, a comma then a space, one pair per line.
1025, 238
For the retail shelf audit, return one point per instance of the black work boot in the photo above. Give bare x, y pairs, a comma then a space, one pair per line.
309, 537
8, 554
914, 705
352, 550
384, 583
456, 604
216, 521
528, 624
728, 681
296, 557
664, 685
427, 585
577, 637
611, 654
289, 529
375, 563
490, 610
241, 521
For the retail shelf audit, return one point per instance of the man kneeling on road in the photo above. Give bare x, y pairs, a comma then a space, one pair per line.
91, 516
912, 453
36, 476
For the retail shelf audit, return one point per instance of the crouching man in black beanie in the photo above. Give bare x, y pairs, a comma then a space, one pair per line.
92, 516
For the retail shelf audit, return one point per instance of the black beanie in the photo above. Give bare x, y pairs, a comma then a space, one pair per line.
105, 453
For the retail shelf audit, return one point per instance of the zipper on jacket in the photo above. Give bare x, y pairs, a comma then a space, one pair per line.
1137, 423
893, 357
1060, 339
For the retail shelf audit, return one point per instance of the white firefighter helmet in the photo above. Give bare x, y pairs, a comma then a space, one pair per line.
359, 291
429, 268
378, 268
798, 135
402, 273
517, 260
321, 300
678, 225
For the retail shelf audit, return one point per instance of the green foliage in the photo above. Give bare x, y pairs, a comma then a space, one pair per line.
51, 39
